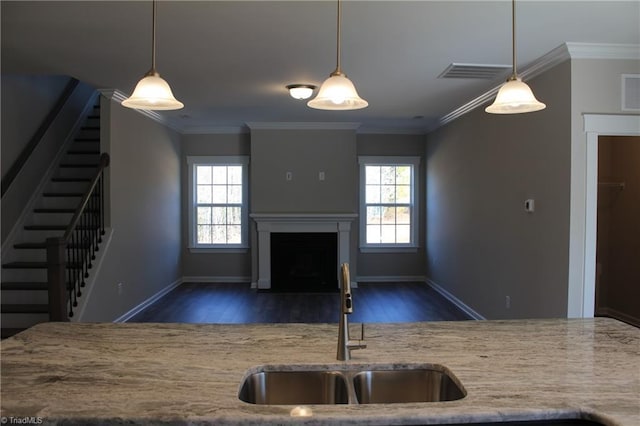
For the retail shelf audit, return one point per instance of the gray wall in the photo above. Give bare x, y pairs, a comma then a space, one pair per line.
144, 195
26, 100
304, 153
399, 265
481, 244
213, 266
596, 88
16, 132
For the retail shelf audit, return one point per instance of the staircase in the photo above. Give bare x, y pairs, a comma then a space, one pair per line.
24, 287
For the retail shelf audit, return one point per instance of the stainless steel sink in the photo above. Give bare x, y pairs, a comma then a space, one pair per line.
548, 422
350, 384
295, 388
406, 385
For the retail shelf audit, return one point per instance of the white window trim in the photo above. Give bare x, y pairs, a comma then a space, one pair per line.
392, 161
193, 161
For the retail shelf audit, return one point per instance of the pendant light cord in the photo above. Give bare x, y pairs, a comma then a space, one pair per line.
153, 38
513, 38
338, 53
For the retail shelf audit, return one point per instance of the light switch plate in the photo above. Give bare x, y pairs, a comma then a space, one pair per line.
530, 205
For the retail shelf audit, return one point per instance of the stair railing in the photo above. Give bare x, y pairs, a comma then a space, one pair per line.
70, 257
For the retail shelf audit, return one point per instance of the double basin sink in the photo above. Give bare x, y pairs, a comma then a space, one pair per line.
350, 384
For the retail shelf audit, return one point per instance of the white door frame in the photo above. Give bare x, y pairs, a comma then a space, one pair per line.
581, 299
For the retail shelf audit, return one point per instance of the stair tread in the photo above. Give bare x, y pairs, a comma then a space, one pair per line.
43, 245
83, 152
70, 179
61, 210
33, 265
17, 285
15, 308
54, 210
79, 166
56, 228
62, 194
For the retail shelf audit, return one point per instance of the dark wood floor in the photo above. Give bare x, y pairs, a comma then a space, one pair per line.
238, 303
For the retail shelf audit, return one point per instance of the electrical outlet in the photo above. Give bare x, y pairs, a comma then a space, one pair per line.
320, 176
507, 302
120, 288
289, 176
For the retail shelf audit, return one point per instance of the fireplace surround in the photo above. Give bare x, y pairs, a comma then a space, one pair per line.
269, 223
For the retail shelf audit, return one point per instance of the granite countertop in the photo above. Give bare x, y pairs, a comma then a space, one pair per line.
190, 373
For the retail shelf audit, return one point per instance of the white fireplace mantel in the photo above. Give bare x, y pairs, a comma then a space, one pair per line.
268, 223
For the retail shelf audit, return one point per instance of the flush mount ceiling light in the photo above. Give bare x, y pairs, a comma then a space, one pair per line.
152, 92
301, 91
514, 96
338, 92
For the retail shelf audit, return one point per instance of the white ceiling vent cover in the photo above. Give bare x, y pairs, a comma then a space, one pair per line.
631, 92
481, 71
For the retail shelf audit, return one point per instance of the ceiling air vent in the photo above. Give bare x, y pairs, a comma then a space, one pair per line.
482, 71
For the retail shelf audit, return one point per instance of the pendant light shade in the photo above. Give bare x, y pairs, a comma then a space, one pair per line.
152, 92
338, 92
514, 96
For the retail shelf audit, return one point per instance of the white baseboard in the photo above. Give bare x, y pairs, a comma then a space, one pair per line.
451, 298
209, 279
391, 279
151, 300
614, 313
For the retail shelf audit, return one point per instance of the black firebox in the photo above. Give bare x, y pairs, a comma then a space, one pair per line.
304, 262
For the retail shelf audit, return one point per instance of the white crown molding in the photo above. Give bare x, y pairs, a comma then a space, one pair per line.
303, 126
390, 131
215, 130
603, 51
547, 61
119, 96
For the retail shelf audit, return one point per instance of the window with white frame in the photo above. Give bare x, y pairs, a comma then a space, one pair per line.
218, 216
388, 202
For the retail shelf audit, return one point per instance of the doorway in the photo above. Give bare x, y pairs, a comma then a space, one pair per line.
617, 280
584, 194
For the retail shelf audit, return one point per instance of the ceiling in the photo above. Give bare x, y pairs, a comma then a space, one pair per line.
229, 62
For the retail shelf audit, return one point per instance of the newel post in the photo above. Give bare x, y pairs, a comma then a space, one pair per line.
56, 267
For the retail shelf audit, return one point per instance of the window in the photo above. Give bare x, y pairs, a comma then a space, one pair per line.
388, 207
218, 216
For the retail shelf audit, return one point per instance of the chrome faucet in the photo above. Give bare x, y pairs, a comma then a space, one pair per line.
345, 344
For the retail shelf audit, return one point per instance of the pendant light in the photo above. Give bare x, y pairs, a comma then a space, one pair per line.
337, 92
514, 96
152, 92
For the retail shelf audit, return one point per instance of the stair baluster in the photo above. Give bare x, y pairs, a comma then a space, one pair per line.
81, 236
